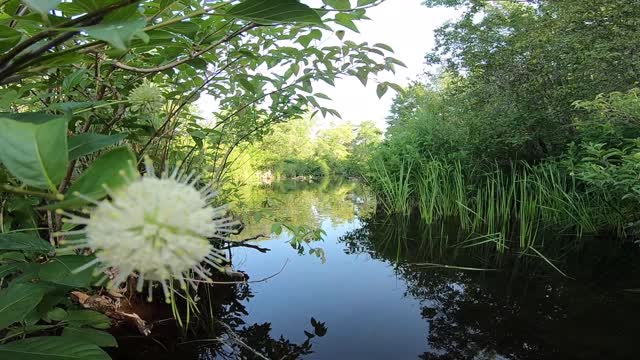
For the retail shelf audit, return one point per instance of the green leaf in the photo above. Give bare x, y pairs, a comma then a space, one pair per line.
94, 319
9, 37
346, 20
73, 79
70, 106
91, 336
381, 89
275, 11
247, 85
340, 34
395, 61
395, 87
276, 228
322, 96
184, 27
383, 47
42, 6
7, 269
338, 4
93, 5
16, 256
56, 314
118, 33
88, 143
111, 170
60, 270
51, 348
365, 2
363, 76
18, 241
16, 301
33, 147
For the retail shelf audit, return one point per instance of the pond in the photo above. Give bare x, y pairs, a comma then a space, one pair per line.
390, 289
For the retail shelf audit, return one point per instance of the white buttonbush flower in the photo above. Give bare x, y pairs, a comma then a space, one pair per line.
147, 101
146, 98
155, 228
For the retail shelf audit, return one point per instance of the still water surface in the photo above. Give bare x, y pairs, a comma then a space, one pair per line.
379, 295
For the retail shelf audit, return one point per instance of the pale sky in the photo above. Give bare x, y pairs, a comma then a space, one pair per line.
406, 26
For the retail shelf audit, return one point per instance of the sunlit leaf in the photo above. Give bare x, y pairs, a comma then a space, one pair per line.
346, 20
8, 38
118, 32
338, 4
275, 11
42, 6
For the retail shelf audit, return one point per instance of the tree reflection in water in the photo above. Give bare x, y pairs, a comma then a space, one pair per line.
505, 314
208, 336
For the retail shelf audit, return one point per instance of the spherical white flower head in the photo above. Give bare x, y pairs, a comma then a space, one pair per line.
157, 228
146, 98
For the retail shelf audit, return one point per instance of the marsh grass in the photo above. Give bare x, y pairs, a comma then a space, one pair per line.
396, 187
506, 209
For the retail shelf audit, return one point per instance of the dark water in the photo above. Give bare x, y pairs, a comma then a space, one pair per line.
375, 298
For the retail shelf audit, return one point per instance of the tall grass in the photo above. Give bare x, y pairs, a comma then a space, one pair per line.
511, 209
395, 187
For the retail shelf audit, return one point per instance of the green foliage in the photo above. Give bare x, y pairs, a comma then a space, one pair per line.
108, 172
88, 143
17, 301
531, 125
79, 77
275, 11
513, 70
34, 149
395, 187
52, 347
24, 242
296, 148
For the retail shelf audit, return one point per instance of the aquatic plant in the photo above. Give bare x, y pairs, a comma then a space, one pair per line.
395, 186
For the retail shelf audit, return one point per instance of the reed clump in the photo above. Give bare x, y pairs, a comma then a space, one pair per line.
509, 208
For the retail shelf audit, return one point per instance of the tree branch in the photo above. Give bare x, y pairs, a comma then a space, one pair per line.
188, 58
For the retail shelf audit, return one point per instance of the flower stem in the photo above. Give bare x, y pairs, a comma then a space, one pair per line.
103, 105
17, 190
